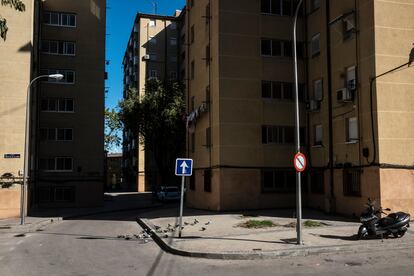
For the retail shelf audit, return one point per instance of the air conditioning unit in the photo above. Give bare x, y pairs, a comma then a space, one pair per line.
147, 57
352, 85
313, 105
344, 95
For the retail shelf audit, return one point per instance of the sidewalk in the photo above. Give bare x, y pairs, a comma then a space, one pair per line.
225, 236
113, 202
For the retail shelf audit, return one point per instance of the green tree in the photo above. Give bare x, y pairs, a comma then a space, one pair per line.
158, 118
18, 5
113, 126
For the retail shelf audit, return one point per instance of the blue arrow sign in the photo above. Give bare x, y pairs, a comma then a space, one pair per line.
183, 167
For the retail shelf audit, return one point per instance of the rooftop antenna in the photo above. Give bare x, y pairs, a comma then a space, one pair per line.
154, 5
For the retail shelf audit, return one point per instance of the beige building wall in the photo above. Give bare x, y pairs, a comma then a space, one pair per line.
394, 38
15, 74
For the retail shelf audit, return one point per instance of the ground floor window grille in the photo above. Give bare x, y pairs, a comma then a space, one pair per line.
352, 182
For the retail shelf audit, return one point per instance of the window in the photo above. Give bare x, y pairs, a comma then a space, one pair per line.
192, 70
56, 164
58, 47
59, 19
153, 74
68, 75
192, 34
278, 181
281, 90
173, 41
352, 182
174, 59
173, 75
277, 7
315, 45
272, 47
266, 47
318, 90
152, 23
315, 4
352, 129
64, 194
56, 134
57, 105
318, 135
173, 25
64, 134
279, 134
207, 181
317, 182
351, 82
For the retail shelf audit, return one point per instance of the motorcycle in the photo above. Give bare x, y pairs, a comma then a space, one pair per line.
395, 224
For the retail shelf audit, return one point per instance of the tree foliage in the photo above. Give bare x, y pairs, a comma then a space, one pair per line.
18, 5
113, 126
158, 118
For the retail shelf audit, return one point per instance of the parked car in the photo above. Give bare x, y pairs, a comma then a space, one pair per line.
169, 193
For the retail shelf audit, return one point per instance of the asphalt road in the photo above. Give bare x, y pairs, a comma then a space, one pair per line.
95, 246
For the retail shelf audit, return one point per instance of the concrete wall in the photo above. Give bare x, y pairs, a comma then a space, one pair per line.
10, 202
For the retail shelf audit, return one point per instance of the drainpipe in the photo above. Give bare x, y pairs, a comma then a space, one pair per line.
332, 203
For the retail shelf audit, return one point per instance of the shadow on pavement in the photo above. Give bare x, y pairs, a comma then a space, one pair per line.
344, 238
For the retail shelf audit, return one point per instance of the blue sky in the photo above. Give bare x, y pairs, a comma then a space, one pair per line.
120, 17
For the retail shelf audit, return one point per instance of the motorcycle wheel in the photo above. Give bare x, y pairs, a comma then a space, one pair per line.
362, 235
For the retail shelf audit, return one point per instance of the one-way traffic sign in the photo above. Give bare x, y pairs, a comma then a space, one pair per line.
183, 167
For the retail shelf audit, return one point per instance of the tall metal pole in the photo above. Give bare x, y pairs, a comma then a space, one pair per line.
298, 178
23, 207
181, 206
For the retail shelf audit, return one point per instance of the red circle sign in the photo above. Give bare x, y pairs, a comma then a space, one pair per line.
299, 162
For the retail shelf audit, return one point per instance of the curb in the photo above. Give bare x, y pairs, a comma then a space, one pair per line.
303, 251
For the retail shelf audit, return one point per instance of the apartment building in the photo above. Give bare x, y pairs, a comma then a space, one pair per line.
238, 68
152, 52
69, 146
66, 137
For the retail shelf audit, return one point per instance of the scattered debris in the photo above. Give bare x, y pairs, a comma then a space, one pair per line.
312, 223
203, 229
290, 225
207, 223
165, 236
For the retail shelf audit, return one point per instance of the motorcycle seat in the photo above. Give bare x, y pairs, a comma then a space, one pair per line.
399, 216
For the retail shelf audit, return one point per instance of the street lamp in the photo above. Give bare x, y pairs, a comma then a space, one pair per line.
26, 144
298, 180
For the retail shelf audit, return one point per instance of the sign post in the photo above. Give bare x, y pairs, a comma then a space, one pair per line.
298, 184
183, 168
